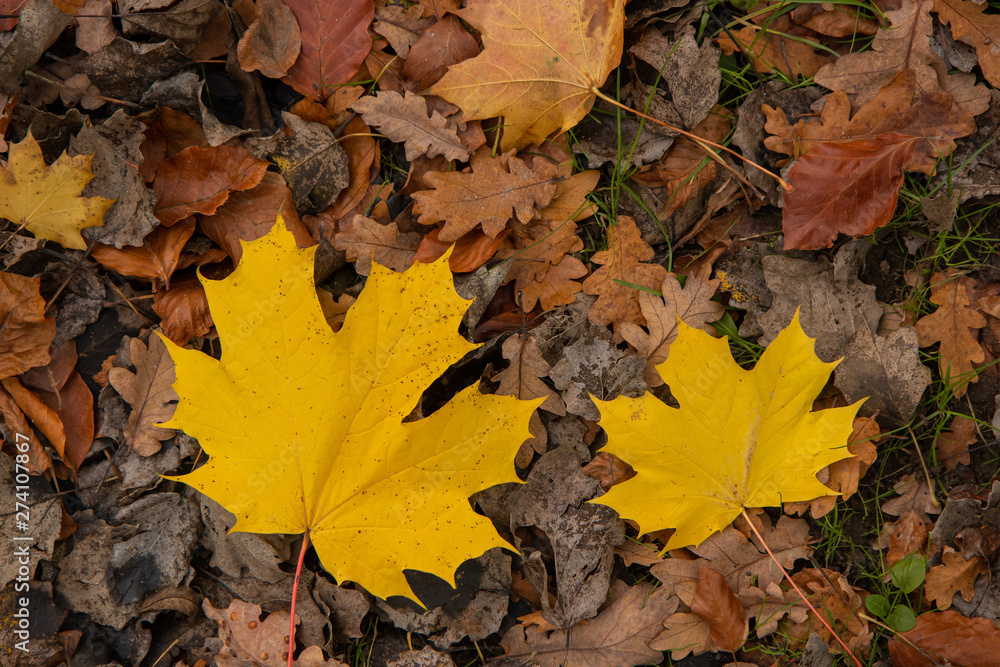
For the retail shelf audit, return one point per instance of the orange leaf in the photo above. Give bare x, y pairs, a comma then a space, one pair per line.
335, 42
25, 332
184, 311
156, 259
956, 574
771, 52
844, 188
971, 25
953, 445
947, 637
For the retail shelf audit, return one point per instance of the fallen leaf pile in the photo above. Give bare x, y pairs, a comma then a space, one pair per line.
565, 299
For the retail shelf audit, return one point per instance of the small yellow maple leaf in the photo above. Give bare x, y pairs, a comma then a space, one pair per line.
304, 427
740, 438
46, 200
539, 66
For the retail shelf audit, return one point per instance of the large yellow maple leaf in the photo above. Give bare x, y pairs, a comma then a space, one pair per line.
739, 439
46, 200
540, 63
304, 427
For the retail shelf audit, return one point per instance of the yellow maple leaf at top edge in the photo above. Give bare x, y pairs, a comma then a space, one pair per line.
46, 200
739, 439
303, 426
539, 63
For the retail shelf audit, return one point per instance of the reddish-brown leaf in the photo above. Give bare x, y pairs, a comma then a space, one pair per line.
184, 311
74, 405
716, 603
335, 42
844, 188
165, 137
53, 375
25, 332
442, 45
38, 459
156, 259
41, 415
903, 537
199, 180
558, 288
250, 214
468, 253
947, 637
774, 52
271, 44
971, 25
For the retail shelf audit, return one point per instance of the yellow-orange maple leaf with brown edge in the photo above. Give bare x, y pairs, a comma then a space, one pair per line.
740, 438
540, 62
46, 200
304, 427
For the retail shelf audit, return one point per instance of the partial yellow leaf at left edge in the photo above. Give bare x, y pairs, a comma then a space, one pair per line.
740, 439
46, 200
304, 427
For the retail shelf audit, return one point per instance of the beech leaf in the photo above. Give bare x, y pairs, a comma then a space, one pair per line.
304, 427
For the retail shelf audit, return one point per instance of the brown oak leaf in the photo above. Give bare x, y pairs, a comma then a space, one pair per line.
900, 107
523, 377
623, 262
905, 44
774, 52
955, 326
405, 120
558, 288
913, 496
365, 239
953, 445
487, 194
903, 537
617, 637
690, 304
402, 26
955, 574
150, 393
970, 24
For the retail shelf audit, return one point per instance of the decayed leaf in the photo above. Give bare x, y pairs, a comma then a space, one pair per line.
150, 394
365, 240
749, 437
956, 574
914, 496
402, 26
46, 200
539, 64
320, 417
488, 196
405, 120
25, 332
903, 45
624, 261
772, 52
955, 326
971, 25
271, 44
841, 606
157, 257
618, 637
844, 188
947, 637
953, 445
249, 642
335, 42
690, 304
199, 180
